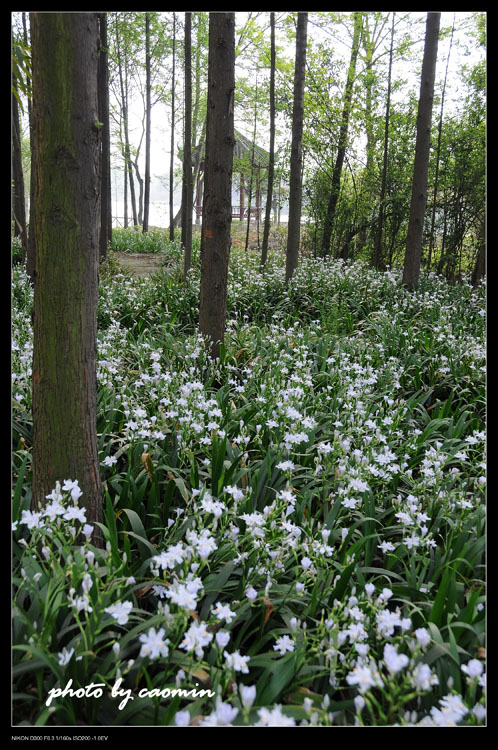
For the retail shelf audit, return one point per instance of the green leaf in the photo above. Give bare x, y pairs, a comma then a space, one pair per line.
437, 611
282, 676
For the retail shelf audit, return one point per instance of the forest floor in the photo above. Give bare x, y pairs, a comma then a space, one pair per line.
146, 264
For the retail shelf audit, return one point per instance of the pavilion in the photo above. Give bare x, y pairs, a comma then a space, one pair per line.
246, 153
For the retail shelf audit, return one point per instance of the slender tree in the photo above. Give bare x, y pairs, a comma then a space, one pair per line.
271, 159
187, 149
251, 179
172, 153
295, 186
105, 150
432, 238
147, 124
18, 199
66, 214
343, 136
30, 258
413, 253
217, 205
377, 259
122, 62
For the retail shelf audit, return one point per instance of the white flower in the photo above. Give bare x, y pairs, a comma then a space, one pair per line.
236, 661
473, 668
32, 519
274, 718
222, 638
182, 718
154, 644
169, 558
72, 487
75, 513
251, 593
183, 595
196, 637
283, 644
394, 662
65, 656
422, 677
422, 636
286, 466
54, 509
221, 717
223, 612
247, 695
110, 460
365, 677
120, 611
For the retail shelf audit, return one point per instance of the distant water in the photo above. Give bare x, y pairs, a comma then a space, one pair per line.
158, 214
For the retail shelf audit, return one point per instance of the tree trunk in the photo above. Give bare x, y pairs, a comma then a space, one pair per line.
66, 214
271, 158
480, 267
294, 225
438, 155
251, 181
413, 253
30, 258
147, 124
123, 82
377, 259
105, 153
172, 155
343, 136
217, 206
18, 198
187, 148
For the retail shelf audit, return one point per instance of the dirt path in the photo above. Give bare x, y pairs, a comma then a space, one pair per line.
140, 264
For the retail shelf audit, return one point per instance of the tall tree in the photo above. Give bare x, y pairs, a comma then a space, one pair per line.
413, 253
105, 150
217, 205
377, 259
295, 184
66, 214
147, 124
271, 159
187, 149
18, 200
122, 63
172, 153
343, 136
432, 238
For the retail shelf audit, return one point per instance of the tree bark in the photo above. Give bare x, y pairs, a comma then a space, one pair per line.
413, 253
343, 136
295, 187
65, 222
123, 83
377, 259
187, 148
271, 158
217, 205
147, 125
105, 152
432, 239
18, 197
480, 267
172, 154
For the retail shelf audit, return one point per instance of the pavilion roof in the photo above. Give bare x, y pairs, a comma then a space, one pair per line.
244, 146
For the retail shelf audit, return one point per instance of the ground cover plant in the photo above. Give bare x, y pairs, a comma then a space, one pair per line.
295, 532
